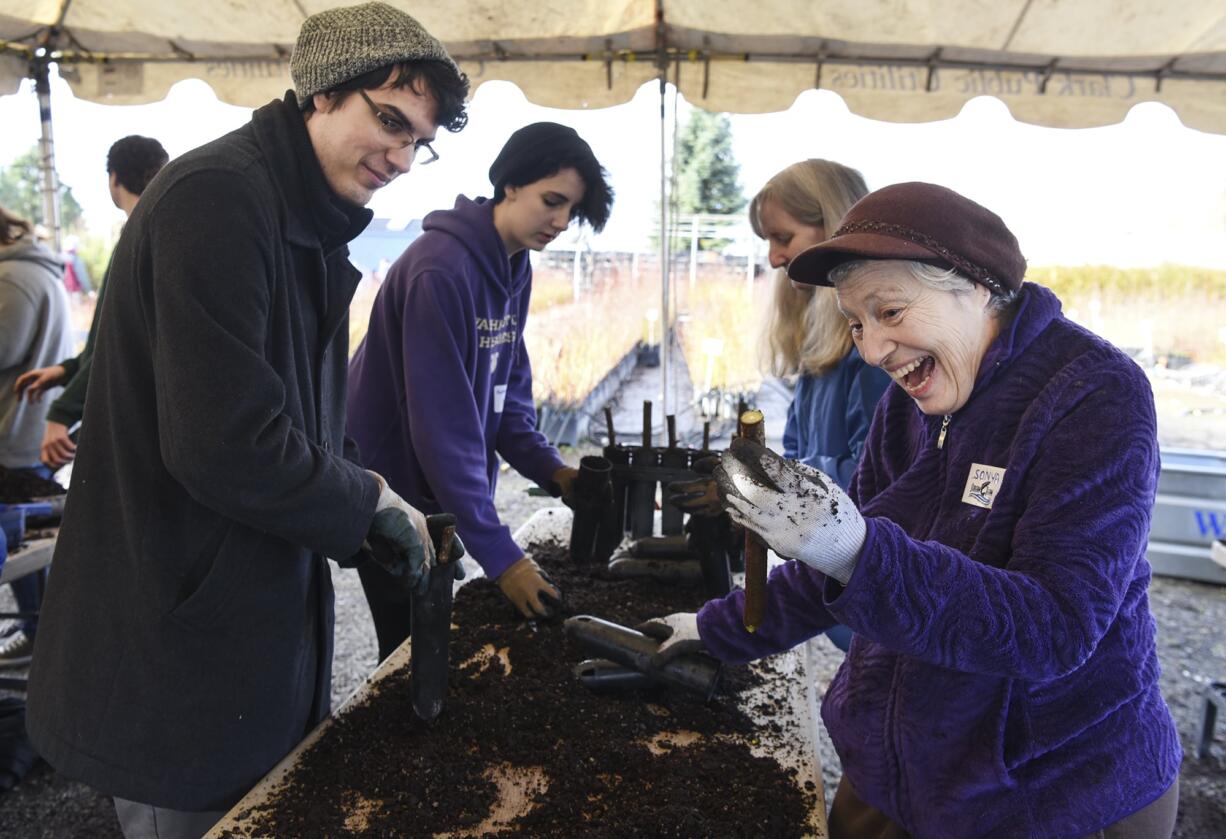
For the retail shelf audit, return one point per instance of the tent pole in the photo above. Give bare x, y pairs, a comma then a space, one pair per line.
666, 333
46, 147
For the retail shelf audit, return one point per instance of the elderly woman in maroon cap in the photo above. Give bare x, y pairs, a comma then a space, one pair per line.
989, 553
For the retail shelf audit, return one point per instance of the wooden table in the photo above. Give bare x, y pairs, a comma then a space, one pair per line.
21, 562
34, 555
793, 743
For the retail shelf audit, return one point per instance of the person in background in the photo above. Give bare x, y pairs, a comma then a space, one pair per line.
442, 384
806, 336
131, 164
186, 640
76, 276
35, 329
990, 554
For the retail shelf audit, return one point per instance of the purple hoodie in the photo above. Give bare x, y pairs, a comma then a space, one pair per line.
441, 384
1003, 680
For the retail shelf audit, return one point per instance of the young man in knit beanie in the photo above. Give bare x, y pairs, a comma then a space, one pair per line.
185, 644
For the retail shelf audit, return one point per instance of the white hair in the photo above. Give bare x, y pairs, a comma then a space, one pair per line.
932, 276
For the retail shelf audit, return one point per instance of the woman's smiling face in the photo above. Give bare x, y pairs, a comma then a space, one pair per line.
931, 342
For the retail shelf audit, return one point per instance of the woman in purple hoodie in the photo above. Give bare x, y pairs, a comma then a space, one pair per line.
442, 385
989, 553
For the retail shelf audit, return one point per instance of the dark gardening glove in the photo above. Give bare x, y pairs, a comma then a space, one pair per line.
399, 540
699, 497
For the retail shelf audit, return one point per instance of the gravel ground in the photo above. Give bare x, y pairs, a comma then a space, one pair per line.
1191, 621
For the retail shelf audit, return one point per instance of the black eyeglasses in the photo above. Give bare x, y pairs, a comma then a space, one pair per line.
399, 133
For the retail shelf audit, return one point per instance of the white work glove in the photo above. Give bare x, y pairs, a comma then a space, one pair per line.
403, 526
796, 509
679, 634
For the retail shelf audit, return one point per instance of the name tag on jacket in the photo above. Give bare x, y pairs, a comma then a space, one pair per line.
982, 484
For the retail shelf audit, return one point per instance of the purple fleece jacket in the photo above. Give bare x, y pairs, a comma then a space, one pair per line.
1003, 680
441, 384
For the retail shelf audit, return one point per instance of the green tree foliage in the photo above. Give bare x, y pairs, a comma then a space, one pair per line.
21, 192
95, 252
706, 168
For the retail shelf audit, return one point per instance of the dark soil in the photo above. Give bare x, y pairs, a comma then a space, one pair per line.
602, 779
18, 487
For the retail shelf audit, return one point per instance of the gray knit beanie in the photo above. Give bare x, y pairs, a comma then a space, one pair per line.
338, 44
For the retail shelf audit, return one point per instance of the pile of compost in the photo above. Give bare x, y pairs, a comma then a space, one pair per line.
650, 762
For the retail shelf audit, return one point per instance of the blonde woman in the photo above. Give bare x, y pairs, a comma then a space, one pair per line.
806, 336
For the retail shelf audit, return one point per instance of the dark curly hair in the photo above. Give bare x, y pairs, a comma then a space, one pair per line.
436, 78
134, 161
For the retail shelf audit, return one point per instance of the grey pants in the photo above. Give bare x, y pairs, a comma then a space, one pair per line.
851, 818
144, 821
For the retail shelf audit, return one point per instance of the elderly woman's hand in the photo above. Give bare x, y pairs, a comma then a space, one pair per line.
677, 634
800, 512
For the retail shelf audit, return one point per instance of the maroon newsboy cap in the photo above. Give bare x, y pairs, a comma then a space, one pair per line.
920, 222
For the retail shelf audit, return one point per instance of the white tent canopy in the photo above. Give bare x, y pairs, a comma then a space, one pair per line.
1064, 63
1060, 63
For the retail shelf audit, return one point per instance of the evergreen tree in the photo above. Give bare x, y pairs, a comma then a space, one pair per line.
21, 185
706, 168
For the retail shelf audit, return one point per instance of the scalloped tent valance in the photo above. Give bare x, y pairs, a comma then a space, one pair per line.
1063, 64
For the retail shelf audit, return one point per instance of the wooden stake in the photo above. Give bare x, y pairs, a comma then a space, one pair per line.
753, 427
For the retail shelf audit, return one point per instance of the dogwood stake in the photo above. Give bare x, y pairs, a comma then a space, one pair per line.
753, 427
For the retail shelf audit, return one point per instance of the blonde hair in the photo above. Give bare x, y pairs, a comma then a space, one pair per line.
804, 331
12, 228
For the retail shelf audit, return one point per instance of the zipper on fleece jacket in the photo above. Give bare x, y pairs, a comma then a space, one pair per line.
944, 427
896, 752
